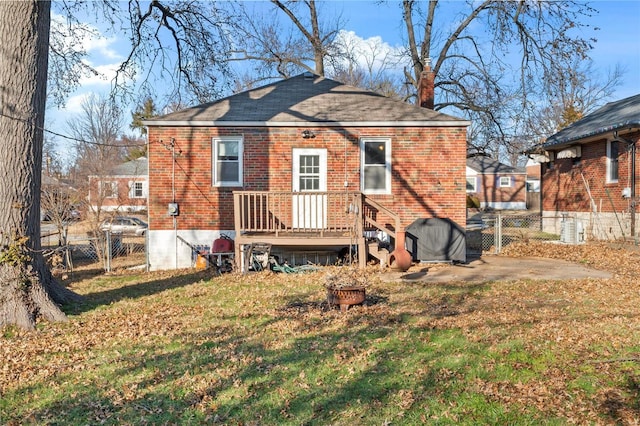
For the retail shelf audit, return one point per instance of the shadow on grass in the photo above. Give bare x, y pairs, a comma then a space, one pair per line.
297, 364
136, 290
620, 408
229, 378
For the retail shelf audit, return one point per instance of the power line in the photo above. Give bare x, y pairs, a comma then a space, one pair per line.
29, 122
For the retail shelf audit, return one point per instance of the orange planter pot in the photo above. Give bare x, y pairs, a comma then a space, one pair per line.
400, 259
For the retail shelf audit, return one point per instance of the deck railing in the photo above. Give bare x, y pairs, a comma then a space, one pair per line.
318, 213
281, 212
379, 218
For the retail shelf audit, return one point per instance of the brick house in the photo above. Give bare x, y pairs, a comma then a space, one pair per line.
306, 163
124, 188
497, 186
589, 173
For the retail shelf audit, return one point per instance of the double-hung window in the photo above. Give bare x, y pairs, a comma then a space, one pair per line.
505, 182
227, 161
472, 184
109, 189
136, 189
612, 161
376, 165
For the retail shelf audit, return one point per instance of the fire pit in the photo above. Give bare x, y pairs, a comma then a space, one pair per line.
345, 287
345, 296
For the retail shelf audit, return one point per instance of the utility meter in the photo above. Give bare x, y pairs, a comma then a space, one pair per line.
173, 209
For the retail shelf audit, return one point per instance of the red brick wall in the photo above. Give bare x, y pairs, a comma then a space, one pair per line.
122, 201
533, 171
428, 170
563, 188
489, 190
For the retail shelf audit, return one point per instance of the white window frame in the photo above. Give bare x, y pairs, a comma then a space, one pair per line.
214, 161
113, 193
608, 177
387, 165
132, 189
473, 181
322, 175
504, 185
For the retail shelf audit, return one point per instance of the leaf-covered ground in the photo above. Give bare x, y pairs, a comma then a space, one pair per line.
193, 348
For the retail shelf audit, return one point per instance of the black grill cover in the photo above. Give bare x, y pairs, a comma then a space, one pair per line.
436, 239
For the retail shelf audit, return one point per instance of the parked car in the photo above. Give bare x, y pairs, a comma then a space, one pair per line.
124, 225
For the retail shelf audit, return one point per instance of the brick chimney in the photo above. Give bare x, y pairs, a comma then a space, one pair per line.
425, 86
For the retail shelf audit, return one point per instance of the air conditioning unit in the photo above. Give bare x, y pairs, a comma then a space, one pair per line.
571, 230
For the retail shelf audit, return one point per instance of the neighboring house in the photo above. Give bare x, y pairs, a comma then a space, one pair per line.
306, 163
533, 176
590, 171
124, 188
496, 185
533, 185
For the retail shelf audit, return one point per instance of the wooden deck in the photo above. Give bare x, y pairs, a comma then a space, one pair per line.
308, 219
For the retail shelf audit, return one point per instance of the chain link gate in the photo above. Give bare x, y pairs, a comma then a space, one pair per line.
498, 231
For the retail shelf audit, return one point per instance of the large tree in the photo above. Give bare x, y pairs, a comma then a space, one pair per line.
179, 38
277, 49
497, 61
27, 289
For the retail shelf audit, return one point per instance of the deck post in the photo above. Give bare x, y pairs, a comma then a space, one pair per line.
362, 252
238, 220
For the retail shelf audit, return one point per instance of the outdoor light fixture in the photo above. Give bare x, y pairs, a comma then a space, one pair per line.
308, 134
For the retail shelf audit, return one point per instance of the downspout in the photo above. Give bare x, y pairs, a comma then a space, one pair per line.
632, 183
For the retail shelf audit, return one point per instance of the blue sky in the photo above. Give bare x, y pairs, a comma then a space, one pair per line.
618, 36
618, 43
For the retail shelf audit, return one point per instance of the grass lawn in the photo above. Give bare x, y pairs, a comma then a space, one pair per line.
264, 349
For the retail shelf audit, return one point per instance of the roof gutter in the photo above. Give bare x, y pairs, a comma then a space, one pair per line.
187, 123
626, 127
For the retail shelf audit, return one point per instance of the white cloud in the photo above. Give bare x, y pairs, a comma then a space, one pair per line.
74, 103
103, 47
372, 54
85, 37
106, 73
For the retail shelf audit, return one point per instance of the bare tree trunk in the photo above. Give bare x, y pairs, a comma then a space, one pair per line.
27, 289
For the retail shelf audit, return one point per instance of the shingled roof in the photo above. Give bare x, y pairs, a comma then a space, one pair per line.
487, 165
619, 115
137, 167
306, 100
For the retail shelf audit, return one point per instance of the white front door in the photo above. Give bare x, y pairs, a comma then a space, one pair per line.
310, 178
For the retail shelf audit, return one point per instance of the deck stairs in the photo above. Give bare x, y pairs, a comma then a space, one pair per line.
378, 217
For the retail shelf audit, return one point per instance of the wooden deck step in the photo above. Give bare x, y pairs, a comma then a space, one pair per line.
374, 249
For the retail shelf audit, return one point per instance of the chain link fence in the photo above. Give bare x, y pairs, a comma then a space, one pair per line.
495, 231
105, 251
